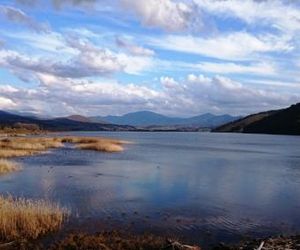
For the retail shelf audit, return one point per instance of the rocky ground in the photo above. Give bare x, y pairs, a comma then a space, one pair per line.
276, 243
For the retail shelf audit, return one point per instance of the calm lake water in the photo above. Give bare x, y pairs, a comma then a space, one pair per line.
201, 187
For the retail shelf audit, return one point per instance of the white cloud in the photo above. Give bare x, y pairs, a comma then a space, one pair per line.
6, 103
260, 68
166, 14
279, 14
135, 64
222, 95
18, 16
51, 42
133, 48
85, 60
192, 95
232, 46
86, 63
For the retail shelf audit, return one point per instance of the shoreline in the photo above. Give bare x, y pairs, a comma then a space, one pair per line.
123, 240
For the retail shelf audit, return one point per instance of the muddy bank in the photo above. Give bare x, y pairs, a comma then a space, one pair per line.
113, 240
116, 240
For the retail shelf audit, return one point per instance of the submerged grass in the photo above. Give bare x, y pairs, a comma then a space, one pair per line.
28, 219
8, 166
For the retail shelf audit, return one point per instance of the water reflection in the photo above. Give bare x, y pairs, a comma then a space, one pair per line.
202, 186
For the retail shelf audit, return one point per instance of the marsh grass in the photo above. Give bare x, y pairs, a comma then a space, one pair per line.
8, 166
26, 146
104, 147
16, 146
96, 143
29, 219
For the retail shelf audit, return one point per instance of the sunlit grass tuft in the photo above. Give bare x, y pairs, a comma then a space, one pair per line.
9, 153
96, 143
16, 146
8, 166
24, 218
104, 147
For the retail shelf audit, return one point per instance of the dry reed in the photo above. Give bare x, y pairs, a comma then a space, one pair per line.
26, 146
104, 147
16, 146
96, 143
8, 166
24, 218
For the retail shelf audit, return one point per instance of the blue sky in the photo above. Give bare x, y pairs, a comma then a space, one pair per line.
176, 57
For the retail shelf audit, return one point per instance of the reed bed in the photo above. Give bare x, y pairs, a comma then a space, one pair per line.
29, 219
26, 146
8, 166
9, 153
16, 146
96, 143
103, 147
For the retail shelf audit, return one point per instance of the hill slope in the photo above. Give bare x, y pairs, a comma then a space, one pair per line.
283, 121
78, 118
148, 118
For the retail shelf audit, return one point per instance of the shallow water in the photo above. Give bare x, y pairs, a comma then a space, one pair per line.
202, 187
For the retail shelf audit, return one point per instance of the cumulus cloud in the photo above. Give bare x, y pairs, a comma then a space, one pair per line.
85, 60
166, 14
86, 63
78, 75
133, 48
221, 94
18, 16
6, 103
189, 96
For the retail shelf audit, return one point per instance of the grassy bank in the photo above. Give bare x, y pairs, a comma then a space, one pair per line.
21, 129
29, 219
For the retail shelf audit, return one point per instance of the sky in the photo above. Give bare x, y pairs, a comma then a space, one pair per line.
175, 57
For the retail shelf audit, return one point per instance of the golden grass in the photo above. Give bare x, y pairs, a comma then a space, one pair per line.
104, 147
24, 218
16, 146
28, 143
8, 166
9, 153
96, 143
26, 146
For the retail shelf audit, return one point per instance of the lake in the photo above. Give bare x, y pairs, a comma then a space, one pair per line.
201, 187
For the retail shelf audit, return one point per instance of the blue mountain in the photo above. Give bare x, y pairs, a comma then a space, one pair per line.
148, 118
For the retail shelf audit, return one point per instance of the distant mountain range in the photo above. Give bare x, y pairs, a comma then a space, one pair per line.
138, 121
148, 118
283, 121
59, 124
